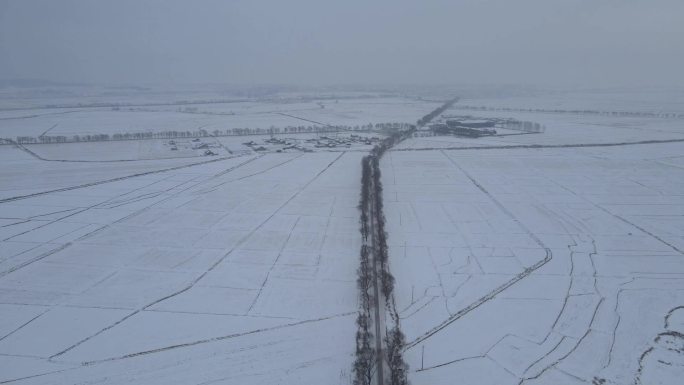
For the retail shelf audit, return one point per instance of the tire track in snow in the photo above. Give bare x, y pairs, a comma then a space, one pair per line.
499, 289
273, 265
213, 188
199, 277
37, 115
66, 245
11, 199
215, 339
21, 147
621, 219
306, 120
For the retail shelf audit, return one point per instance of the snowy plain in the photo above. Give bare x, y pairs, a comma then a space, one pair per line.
127, 263
547, 265
235, 261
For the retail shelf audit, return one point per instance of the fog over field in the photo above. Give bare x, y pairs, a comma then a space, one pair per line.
576, 42
317, 192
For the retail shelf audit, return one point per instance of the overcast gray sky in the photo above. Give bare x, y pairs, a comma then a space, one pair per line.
539, 42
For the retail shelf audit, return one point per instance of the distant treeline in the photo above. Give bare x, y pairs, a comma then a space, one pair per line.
669, 115
122, 104
427, 118
522, 125
201, 133
507, 123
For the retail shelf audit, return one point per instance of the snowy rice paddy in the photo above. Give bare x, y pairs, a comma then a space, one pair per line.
550, 258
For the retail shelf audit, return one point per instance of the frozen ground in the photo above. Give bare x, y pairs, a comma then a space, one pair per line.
213, 273
541, 266
129, 262
652, 100
147, 261
24, 173
561, 129
218, 116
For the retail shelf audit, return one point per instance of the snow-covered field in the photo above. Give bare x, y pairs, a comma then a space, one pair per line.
561, 129
218, 273
541, 266
652, 100
559, 260
210, 117
147, 261
23, 173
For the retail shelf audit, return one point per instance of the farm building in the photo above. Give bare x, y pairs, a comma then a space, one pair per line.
470, 123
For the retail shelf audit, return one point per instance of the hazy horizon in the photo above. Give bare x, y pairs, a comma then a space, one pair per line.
581, 43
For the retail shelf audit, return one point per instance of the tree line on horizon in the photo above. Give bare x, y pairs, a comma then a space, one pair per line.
201, 133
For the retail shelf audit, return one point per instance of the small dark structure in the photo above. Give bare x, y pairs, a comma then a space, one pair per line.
470, 123
452, 127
